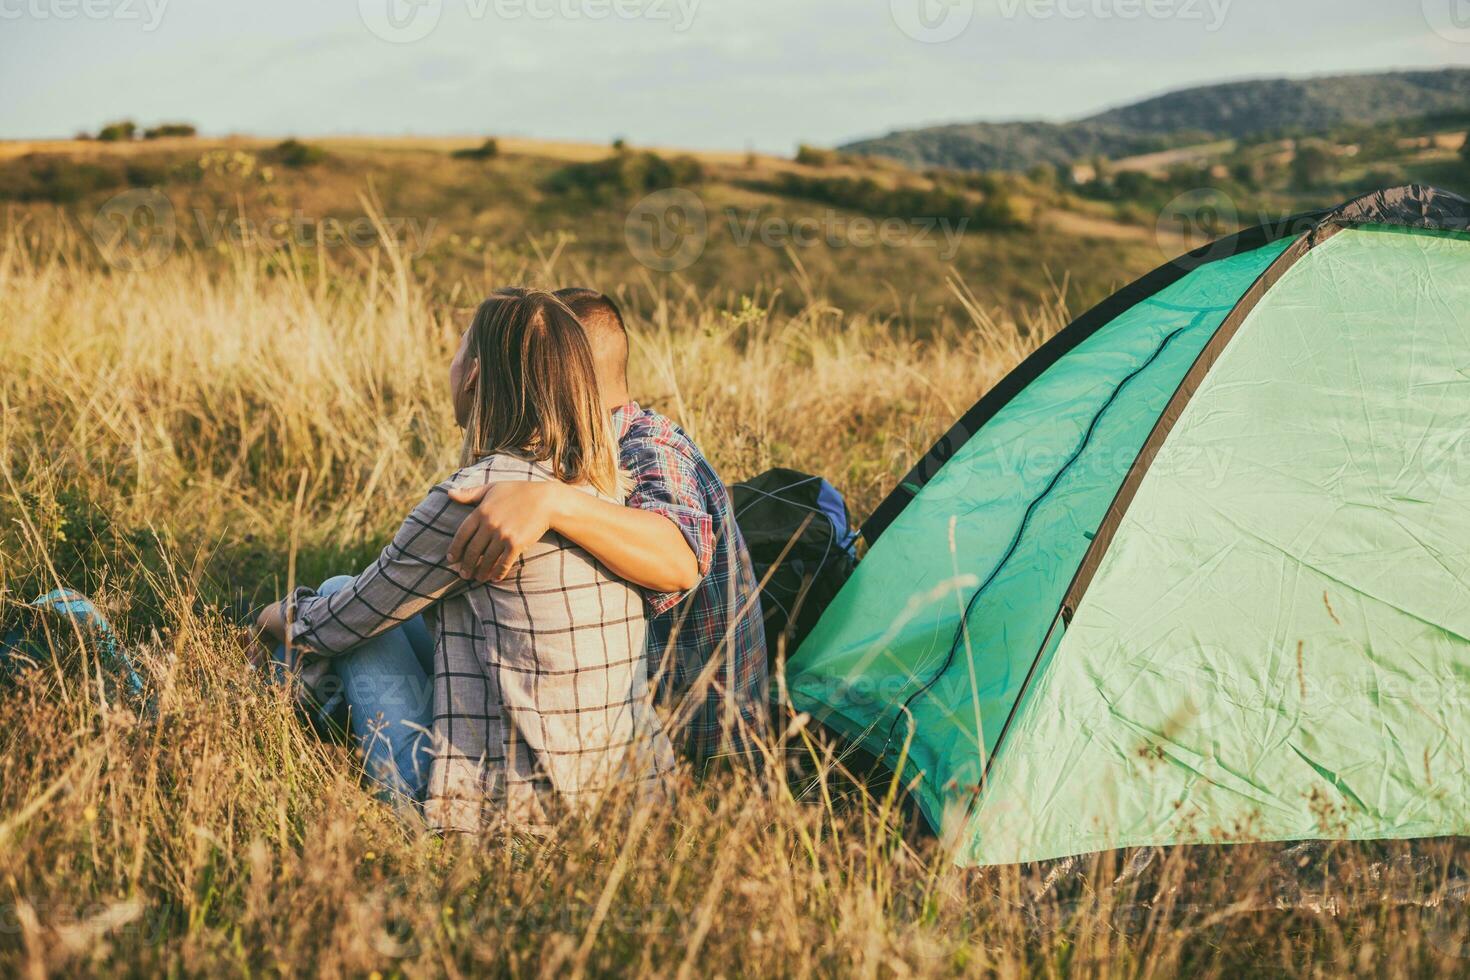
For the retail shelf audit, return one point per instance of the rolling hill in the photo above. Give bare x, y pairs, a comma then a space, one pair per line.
1236, 110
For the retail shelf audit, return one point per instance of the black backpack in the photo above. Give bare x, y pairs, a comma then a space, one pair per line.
803, 518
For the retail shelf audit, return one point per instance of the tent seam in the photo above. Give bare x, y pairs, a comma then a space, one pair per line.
1026, 520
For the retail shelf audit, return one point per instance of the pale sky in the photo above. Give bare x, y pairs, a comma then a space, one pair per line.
704, 74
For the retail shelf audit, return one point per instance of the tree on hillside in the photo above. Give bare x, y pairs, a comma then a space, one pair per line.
632, 173
118, 132
812, 156
488, 150
1465, 150
164, 130
1313, 166
294, 153
1247, 173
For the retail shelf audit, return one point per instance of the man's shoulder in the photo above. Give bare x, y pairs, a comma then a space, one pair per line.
659, 453
649, 430
647, 422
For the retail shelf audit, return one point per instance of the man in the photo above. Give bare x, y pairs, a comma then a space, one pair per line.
676, 538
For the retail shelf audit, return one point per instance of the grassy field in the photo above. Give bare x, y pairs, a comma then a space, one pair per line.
179, 436
465, 222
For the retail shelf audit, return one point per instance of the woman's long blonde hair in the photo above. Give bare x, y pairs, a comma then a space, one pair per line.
536, 394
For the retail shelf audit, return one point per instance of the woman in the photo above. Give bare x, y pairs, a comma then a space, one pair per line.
540, 687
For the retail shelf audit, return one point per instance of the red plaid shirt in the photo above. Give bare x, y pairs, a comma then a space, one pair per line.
707, 646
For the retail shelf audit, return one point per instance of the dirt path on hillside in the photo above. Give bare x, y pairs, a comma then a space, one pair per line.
1093, 226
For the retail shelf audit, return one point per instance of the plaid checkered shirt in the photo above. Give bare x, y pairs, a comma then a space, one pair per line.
541, 682
707, 646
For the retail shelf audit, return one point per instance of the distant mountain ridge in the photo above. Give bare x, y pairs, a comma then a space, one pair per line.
1235, 110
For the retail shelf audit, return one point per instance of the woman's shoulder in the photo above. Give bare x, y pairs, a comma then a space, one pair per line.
497, 468
508, 468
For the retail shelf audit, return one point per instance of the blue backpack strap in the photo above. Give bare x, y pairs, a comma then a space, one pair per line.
80, 610
832, 504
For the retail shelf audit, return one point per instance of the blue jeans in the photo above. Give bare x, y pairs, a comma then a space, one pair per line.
385, 687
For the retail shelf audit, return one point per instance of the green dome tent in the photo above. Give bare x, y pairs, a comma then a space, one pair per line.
1198, 570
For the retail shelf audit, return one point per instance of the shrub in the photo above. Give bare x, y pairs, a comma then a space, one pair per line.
1313, 166
1378, 178
59, 179
487, 150
622, 176
148, 173
294, 153
118, 132
1465, 150
812, 156
62, 179
996, 211
163, 130
1250, 174
1043, 175
1132, 184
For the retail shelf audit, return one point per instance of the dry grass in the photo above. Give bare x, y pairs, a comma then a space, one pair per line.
157, 428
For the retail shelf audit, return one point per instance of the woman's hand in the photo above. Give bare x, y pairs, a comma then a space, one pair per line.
272, 622
259, 642
254, 646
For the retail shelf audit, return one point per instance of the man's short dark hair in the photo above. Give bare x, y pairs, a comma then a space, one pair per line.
603, 321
